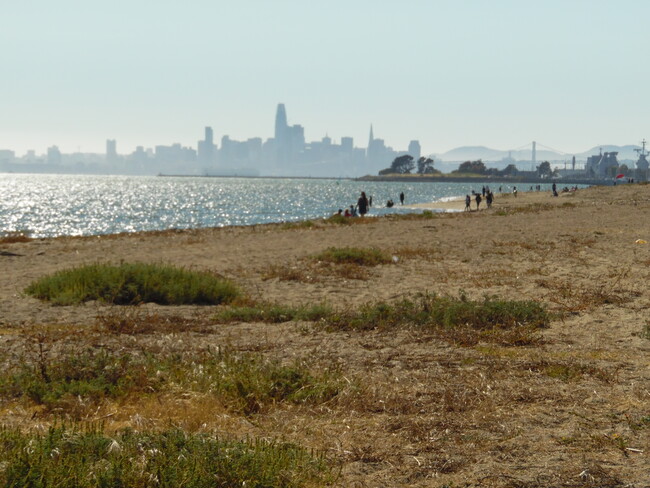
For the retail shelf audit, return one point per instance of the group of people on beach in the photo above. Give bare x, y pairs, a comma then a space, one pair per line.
485, 193
363, 205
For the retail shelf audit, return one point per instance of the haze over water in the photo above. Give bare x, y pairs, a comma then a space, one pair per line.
73, 205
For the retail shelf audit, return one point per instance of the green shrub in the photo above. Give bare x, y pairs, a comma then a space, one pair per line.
69, 458
132, 283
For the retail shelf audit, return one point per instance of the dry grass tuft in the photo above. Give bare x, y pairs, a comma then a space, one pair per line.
14, 237
132, 321
575, 297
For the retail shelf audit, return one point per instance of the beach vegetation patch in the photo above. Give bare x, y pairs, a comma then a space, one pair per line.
73, 383
134, 283
457, 320
303, 224
446, 312
88, 458
353, 255
424, 215
273, 313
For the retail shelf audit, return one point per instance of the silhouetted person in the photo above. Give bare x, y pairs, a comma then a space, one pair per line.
468, 201
488, 199
362, 204
401, 198
478, 200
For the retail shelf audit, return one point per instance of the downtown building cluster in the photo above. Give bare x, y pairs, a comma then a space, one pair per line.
285, 154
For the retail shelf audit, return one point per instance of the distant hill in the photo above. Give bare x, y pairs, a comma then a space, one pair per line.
486, 154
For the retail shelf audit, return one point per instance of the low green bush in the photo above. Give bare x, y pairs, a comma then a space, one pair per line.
133, 283
71, 458
422, 311
435, 311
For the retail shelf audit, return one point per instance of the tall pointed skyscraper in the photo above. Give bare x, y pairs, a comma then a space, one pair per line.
281, 123
371, 138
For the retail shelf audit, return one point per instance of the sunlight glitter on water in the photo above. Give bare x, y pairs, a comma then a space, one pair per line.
55, 205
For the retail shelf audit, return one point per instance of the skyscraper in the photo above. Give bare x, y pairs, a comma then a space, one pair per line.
206, 148
281, 123
415, 150
111, 150
282, 142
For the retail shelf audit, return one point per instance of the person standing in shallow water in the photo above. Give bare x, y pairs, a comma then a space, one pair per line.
362, 204
401, 198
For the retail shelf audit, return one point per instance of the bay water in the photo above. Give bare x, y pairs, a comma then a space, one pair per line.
43, 205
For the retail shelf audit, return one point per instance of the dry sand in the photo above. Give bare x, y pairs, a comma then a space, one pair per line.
431, 413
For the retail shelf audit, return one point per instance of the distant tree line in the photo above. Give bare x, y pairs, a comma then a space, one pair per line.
404, 165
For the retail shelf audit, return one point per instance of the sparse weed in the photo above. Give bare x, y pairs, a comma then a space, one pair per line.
290, 273
645, 331
133, 322
72, 384
353, 255
13, 237
569, 371
303, 224
424, 215
570, 297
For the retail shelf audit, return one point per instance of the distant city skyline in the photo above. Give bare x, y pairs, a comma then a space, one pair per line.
569, 73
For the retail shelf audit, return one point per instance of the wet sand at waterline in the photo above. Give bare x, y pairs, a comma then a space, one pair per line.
572, 409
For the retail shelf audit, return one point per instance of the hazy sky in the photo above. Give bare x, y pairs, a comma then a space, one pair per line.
570, 74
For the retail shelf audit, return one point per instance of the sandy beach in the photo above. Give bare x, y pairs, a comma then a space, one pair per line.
431, 413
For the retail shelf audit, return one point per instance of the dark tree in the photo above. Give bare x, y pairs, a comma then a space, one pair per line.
476, 167
401, 165
510, 170
544, 170
425, 166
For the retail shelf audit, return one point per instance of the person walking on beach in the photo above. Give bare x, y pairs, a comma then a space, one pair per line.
478, 201
362, 204
514, 191
468, 201
489, 198
401, 198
